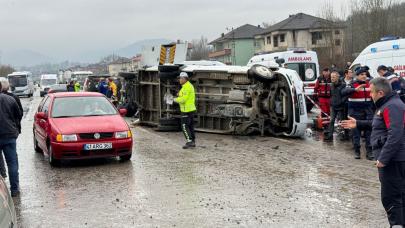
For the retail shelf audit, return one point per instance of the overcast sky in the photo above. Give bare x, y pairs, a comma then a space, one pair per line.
62, 28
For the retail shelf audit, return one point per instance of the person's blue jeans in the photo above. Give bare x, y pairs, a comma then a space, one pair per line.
9, 148
2, 166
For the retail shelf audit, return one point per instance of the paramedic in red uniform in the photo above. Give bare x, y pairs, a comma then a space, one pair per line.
323, 91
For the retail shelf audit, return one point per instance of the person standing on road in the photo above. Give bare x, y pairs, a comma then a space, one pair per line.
5, 87
186, 100
348, 77
361, 108
112, 87
9, 117
119, 87
70, 87
337, 103
347, 80
77, 86
391, 76
322, 92
388, 142
103, 87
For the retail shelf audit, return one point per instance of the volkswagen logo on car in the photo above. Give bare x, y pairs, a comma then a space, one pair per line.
97, 136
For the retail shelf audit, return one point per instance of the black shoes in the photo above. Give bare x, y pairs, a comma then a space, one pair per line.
189, 145
328, 138
357, 154
370, 156
15, 193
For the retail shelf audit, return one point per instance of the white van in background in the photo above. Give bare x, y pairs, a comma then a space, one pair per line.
21, 83
305, 63
47, 80
80, 76
389, 52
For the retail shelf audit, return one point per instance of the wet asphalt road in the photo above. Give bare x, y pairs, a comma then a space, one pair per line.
227, 181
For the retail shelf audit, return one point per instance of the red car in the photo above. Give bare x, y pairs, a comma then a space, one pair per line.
71, 126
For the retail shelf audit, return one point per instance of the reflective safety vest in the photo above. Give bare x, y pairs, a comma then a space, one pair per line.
77, 87
186, 98
363, 95
323, 87
113, 88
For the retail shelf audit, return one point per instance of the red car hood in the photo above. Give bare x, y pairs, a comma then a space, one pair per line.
90, 124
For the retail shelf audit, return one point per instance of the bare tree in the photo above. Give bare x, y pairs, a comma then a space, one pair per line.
331, 50
5, 70
268, 24
366, 22
200, 49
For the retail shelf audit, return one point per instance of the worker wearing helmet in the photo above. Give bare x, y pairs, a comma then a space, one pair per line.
77, 86
186, 100
112, 87
113, 91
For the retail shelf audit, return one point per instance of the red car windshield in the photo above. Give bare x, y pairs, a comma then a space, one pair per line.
82, 106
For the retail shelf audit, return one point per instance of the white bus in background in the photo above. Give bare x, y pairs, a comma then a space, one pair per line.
389, 52
21, 83
80, 76
47, 80
64, 76
305, 63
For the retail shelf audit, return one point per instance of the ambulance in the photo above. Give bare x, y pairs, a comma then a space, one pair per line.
305, 63
390, 51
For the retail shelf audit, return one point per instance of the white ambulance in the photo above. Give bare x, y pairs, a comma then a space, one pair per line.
305, 63
47, 80
389, 52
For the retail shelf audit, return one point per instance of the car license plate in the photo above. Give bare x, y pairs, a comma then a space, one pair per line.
98, 146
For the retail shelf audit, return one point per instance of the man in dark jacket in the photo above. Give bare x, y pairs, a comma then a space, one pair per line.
391, 76
70, 87
5, 87
336, 104
388, 142
347, 80
103, 86
360, 107
9, 117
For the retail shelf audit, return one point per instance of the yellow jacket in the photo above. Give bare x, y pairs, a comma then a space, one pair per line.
77, 87
113, 88
186, 98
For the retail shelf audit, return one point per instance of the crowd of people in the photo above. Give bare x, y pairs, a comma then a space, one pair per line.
373, 109
340, 94
363, 107
110, 88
